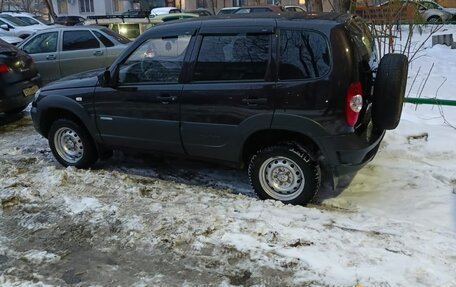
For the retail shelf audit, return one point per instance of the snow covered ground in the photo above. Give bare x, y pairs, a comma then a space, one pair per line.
136, 221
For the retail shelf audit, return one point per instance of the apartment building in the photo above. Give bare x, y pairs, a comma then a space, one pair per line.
92, 7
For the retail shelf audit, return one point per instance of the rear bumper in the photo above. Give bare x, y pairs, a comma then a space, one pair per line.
12, 96
349, 153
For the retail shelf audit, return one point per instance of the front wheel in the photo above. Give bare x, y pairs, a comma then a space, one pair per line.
71, 145
286, 173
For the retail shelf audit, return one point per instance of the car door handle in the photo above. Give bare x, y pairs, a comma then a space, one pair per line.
98, 53
165, 99
255, 101
51, 57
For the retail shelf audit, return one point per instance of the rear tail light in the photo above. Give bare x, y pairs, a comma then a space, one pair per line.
4, 68
354, 103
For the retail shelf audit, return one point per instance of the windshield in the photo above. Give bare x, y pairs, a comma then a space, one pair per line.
13, 20
121, 39
28, 20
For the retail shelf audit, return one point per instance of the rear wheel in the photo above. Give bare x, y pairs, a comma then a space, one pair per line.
71, 145
286, 173
389, 91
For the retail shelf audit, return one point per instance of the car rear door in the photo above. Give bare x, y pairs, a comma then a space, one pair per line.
81, 51
229, 93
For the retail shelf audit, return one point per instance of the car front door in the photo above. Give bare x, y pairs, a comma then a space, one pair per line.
142, 110
43, 49
81, 51
229, 94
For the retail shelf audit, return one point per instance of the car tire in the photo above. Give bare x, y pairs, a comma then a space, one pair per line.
286, 173
71, 144
389, 91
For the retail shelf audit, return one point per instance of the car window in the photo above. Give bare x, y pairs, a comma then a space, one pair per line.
232, 57
28, 20
103, 39
156, 60
42, 20
242, 11
260, 10
79, 40
13, 20
42, 43
121, 39
303, 55
128, 30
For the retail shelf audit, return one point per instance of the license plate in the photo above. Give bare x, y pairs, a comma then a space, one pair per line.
30, 91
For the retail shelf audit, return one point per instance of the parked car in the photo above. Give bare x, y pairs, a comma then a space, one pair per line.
200, 12
63, 51
69, 20
164, 10
133, 27
412, 8
30, 19
12, 26
434, 5
19, 79
280, 93
258, 9
227, 10
13, 40
136, 13
294, 9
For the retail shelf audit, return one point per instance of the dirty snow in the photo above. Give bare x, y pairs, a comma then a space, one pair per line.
136, 220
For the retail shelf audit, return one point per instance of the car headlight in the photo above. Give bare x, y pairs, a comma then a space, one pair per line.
37, 94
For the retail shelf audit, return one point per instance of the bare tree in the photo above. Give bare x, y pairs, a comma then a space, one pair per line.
341, 6
48, 4
27, 5
314, 5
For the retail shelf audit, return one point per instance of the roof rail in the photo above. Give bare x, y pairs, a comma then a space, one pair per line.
122, 17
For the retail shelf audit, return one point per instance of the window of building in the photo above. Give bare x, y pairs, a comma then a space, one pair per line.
118, 5
62, 6
79, 40
233, 58
86, 6
303, 55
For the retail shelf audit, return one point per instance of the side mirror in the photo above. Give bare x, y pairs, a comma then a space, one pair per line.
105, 78
5, 27
108, 79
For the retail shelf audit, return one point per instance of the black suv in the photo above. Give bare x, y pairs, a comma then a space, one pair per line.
290, 96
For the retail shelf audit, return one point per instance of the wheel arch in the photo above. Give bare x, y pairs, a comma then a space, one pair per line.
263, 138
52, 108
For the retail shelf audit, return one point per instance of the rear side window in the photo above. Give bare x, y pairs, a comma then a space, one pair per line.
362, 38
79, 40
303, 55
103, 39
233, 57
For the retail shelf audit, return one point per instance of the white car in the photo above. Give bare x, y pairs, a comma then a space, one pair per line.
294, 9
11, 39
30, 19
164, 10
12, 26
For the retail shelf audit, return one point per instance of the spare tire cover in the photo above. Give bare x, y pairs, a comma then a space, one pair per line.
389, 91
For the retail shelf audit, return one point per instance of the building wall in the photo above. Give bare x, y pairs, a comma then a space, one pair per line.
101, 7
